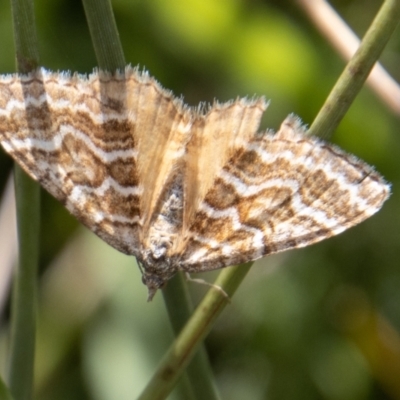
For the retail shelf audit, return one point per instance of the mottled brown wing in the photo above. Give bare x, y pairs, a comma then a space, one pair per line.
279, 192
80, 138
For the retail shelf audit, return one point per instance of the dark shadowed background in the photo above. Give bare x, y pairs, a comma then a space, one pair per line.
317, 323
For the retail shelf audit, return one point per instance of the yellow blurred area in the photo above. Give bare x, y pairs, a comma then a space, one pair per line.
260, 49
199, 25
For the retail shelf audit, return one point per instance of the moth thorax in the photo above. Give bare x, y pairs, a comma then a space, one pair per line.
166, 227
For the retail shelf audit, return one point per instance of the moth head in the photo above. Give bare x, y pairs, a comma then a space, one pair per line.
153, 283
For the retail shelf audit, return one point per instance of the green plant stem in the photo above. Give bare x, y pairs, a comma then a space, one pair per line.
185, 345
23, 313
23, 316
25, 38
357, 70
198, 374
104, 34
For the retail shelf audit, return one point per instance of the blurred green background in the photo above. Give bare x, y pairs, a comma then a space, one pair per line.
317, 323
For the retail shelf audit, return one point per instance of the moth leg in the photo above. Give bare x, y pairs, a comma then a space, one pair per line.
211, 285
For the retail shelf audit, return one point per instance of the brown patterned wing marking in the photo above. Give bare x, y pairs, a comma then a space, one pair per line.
162, 130
78, 138
215, 137
277, 193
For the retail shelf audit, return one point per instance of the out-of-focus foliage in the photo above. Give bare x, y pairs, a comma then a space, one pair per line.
318, 323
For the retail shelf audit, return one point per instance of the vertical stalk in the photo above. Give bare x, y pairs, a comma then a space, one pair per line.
104, 34
23, 313
198, 375
191, 336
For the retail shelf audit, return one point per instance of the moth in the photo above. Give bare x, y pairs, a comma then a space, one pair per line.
181, 189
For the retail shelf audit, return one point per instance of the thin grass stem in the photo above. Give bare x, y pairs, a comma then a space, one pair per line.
23, 313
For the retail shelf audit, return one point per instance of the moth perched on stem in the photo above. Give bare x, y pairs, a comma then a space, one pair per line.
180, 188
